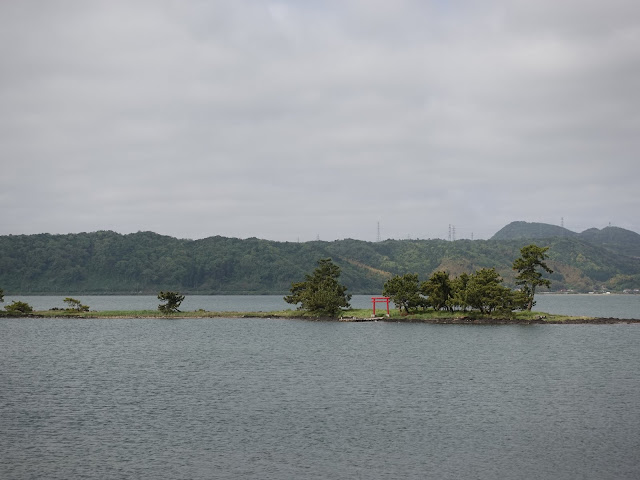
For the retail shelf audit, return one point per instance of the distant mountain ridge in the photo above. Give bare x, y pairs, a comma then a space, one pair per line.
615, 239
111, 263
531, 230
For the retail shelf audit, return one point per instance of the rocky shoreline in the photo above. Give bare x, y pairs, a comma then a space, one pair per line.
541, 320
498, 321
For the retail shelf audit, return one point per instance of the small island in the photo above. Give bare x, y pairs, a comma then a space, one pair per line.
349, 315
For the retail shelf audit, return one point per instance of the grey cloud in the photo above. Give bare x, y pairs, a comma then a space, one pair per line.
288, 119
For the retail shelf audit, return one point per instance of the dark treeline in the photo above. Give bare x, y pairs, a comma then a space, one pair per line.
107, 263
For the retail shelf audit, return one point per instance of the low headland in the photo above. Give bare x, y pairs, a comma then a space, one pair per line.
351, 315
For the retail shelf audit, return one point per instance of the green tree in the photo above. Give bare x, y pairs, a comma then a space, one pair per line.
320, 293
172, 301
1, 296
458, 299
437, 290
486, 293
76, 305
404, 291
520, 300
19, 308
531, 258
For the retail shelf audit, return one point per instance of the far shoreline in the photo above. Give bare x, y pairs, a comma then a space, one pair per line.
537, 318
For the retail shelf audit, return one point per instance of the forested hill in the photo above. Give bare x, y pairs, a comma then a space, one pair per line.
107, 263
615, 239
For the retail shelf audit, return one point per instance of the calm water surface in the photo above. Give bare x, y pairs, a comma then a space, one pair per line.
287, 399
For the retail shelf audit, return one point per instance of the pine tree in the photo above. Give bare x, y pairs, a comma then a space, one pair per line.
531, 258
320, 293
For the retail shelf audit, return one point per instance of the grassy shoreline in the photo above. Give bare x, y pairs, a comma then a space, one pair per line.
352, 315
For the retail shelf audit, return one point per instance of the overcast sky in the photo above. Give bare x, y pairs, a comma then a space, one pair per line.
297, 120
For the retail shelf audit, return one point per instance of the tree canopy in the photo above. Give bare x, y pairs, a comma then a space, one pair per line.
529, 277
172, 301
404, 291
18, 308
438, 290
483, 291
486, 293
320, 293
76, 305
459, 296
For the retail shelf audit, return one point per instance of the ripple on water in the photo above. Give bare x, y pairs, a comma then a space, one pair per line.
290, 399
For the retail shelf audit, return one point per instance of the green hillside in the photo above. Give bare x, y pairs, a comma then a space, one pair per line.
531, 230
108, 263
614, 239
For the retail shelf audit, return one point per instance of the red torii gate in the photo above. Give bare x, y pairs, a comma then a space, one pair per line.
375, 300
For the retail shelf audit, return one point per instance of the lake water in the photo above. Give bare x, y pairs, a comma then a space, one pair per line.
617, 306
291, 399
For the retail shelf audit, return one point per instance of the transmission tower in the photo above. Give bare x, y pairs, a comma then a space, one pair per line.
452, 233
378, 237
